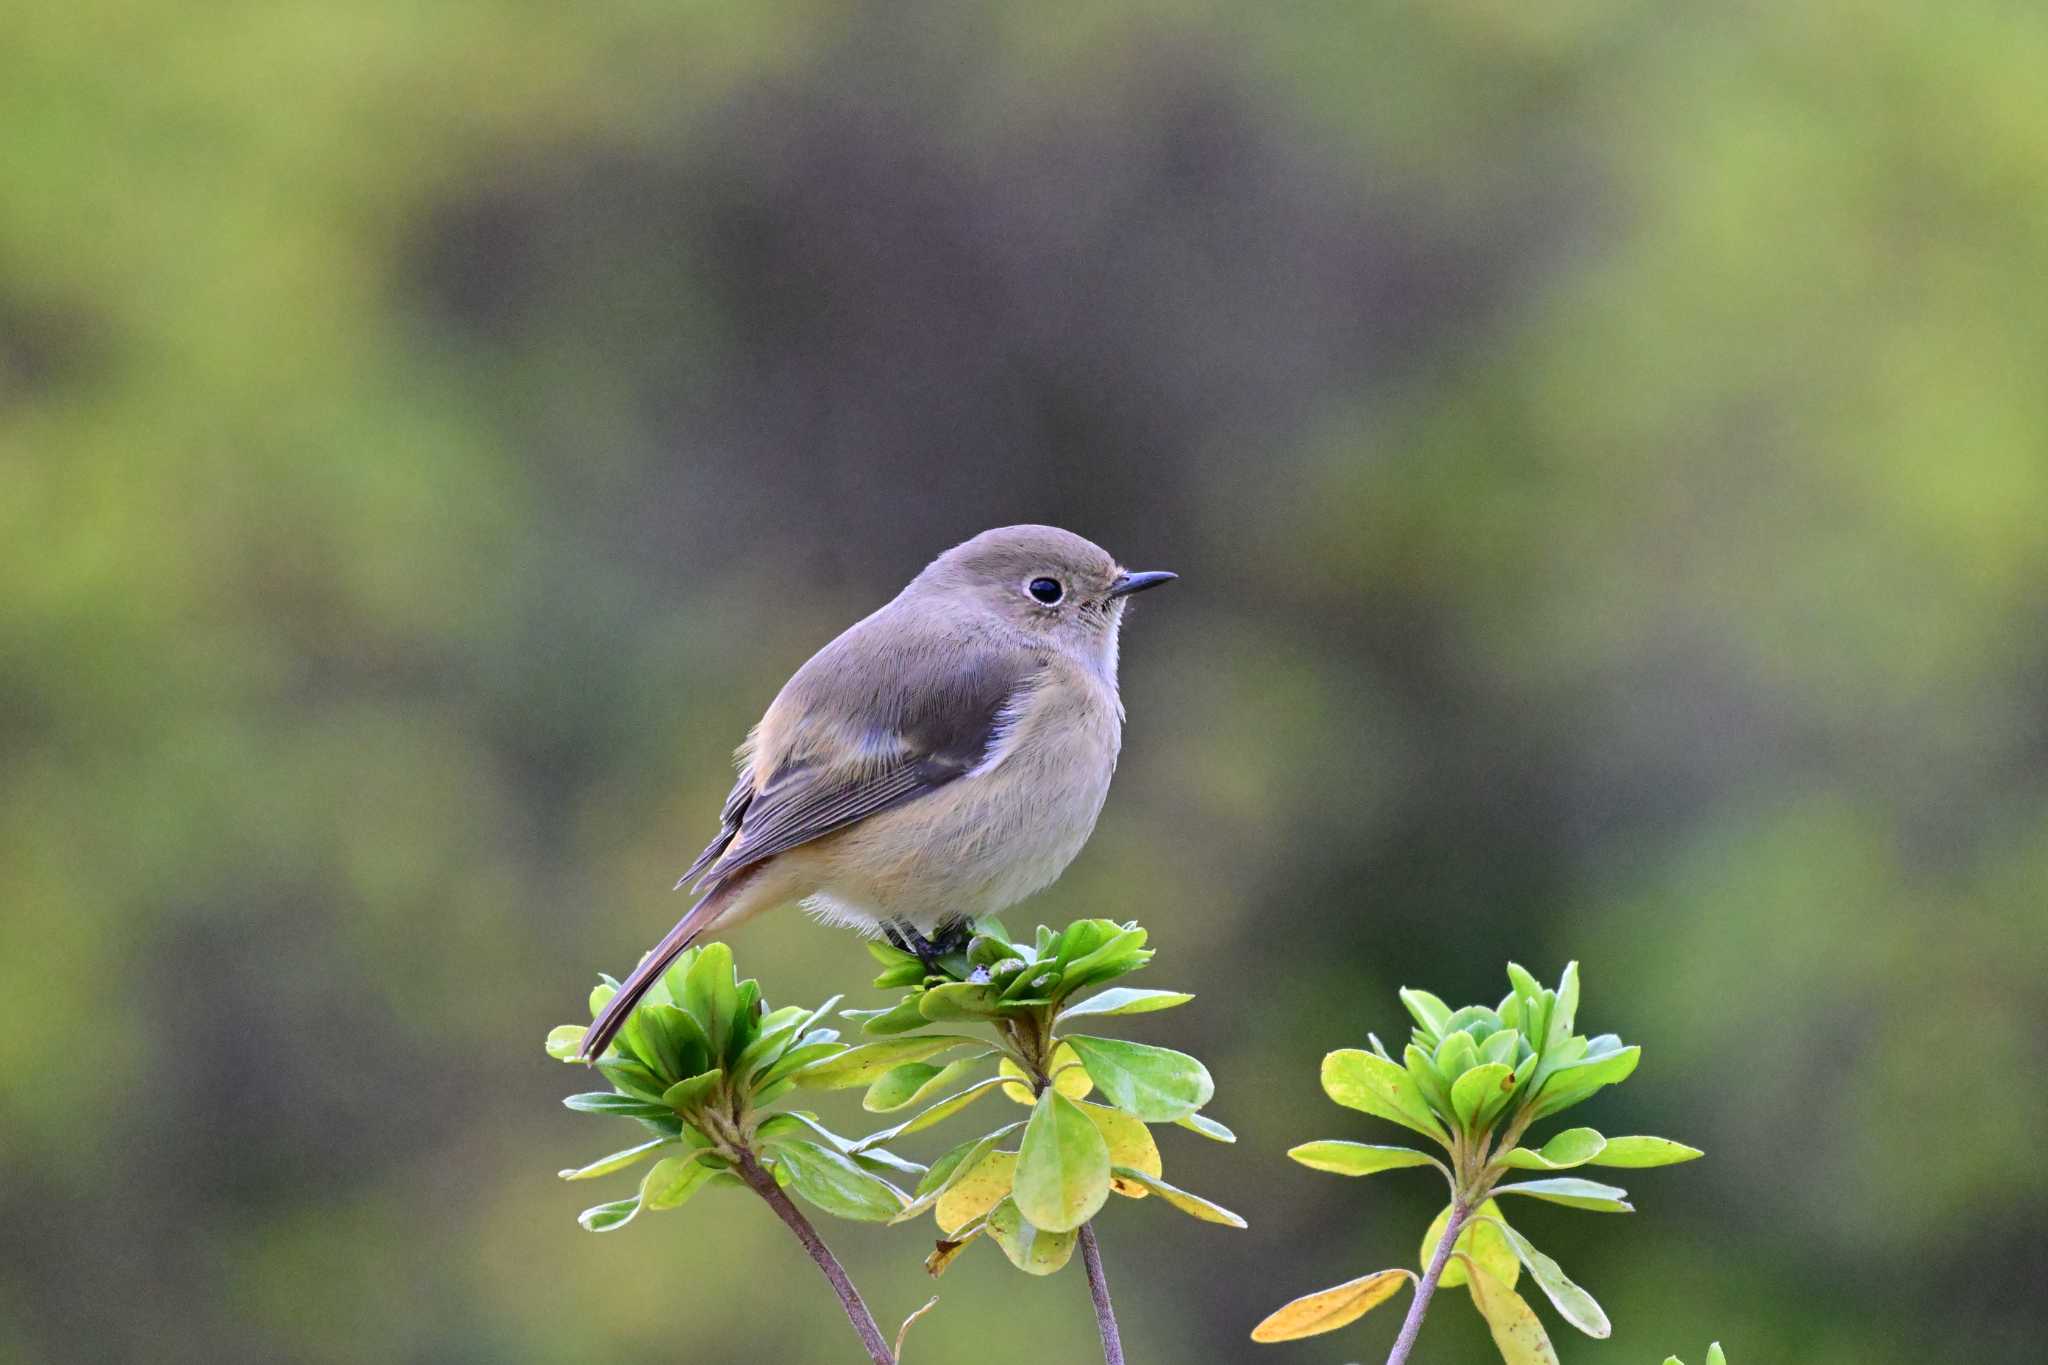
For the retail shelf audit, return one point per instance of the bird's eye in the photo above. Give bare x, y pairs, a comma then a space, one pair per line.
1046, 590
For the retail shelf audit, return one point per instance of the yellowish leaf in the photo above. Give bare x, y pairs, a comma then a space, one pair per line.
975, 1193
1328, 1309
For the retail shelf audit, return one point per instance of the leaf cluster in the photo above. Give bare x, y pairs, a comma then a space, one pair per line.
700, 1064
1029, 1184
1473, 1080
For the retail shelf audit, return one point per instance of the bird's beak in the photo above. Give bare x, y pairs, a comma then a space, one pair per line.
1128, 583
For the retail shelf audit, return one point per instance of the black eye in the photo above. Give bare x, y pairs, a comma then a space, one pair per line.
1046, 590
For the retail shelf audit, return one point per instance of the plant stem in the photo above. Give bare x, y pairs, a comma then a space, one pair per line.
1105, 1316
1404, 1343
857, 1313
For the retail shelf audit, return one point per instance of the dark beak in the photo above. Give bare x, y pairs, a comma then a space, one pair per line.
1128, 583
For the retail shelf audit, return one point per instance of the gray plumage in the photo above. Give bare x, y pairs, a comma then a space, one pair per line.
942, 759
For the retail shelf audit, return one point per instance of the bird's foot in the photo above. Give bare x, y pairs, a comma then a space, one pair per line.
953, 937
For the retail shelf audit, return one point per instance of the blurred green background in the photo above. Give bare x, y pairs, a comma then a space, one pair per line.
1605, 445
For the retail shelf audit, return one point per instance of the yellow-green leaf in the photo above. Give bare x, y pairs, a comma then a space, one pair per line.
1358, 1158
1062, 1174
1478, 1094
869, 1062
1574, 1304
1572, 1147
1130, 1144
1032, 1249
1191, 1204
1068, 1077
1373, 1085
617, 1161
1328, 1309
1478, 1239
1639, 1152
1517, 1333
976, 1192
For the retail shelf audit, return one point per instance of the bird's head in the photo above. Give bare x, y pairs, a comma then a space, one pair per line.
1049, 584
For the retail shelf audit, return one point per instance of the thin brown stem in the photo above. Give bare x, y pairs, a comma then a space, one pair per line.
1105, 1316
1410, 1329
792, 1217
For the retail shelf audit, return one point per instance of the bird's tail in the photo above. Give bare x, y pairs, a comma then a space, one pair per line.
619, 1008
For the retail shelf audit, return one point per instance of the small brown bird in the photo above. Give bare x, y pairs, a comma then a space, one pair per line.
941, 760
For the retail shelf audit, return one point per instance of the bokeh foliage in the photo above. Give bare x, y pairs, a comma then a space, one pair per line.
1602, 444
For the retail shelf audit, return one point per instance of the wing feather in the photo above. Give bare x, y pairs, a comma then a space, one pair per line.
918, 726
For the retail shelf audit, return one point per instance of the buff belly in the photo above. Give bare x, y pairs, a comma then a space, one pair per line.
983, 842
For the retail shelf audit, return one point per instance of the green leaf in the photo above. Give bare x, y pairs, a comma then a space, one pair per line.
1572, 1147
713, 996
1122, 953
1032, 1249
608, 1217
1062, 1167
1477, 1021
1456, 1055
902, 1017
907, 1084
1326, 1310
1192, 1204
1639, 1152
1570, 1084
776, 1034
565, 1042
1573, 1304
795, 1060
1155, 1084
632, 1078
617, 1161
867, 1063
1480, 1093
610, 1102
675, 1044
601, 995
1517, 1332
687, 1095
976, 1190
1433, 1014
1501, 1047
833, 1182
1436, 1092
1359, 1158
1207, 1127
889, 956
1478, 1239
672, 1180
937, 1113
1125, 1000
1714, 1356
958, 1000
1567, 1010
1574, 1193
1373, 1085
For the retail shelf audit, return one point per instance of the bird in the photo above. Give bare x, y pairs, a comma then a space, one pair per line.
942, 759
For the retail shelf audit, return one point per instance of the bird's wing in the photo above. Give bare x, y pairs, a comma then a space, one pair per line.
729, 818
884, 732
